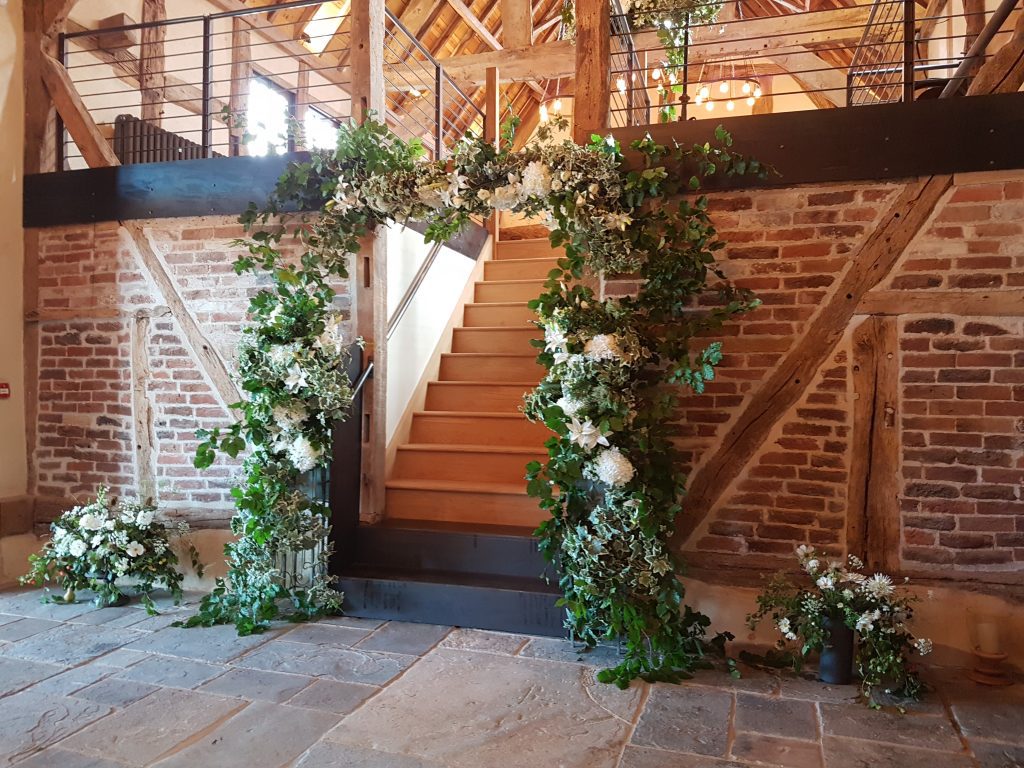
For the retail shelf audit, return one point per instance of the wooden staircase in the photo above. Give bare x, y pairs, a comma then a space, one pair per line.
466, 458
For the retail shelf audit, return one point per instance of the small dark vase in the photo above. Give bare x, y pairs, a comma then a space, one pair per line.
836, 664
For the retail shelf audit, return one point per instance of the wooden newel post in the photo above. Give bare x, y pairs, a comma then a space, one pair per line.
369, 298
593, 58
492, 127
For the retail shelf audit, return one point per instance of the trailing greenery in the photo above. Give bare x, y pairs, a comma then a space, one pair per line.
872, 606
612, 482
93, 546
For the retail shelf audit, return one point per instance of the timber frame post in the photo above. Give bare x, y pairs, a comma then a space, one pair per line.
492, 132
593, 62
369, 301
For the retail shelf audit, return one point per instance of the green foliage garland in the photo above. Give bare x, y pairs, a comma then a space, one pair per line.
612, 482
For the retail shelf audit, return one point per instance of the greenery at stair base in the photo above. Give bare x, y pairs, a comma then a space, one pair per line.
608, 395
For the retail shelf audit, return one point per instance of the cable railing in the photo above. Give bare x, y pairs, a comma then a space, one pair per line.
867, 53
248, 82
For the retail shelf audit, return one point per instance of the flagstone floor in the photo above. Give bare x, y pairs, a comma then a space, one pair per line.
87, 688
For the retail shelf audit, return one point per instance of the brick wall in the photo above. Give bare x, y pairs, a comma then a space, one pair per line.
961, 371
101, 316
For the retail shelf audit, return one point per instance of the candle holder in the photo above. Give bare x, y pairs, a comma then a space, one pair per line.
989, 669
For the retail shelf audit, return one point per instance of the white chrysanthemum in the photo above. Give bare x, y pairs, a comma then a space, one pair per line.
604, 346
570, 405
923, 646
77, 548
612, 468
90, 522
826, 582
303, 454
134, 549
536, 180
878, 586
586, 435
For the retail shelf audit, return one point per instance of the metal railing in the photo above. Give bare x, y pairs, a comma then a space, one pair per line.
194, 83
866, 53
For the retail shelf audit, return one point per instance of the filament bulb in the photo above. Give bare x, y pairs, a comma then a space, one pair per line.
558, 106
746, 87
704, 92
723, 87
709, 106
730, 105
621, 84
751, 101
543, 113
757, 92
656, 74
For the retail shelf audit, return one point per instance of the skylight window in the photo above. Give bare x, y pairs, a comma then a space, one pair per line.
320, 29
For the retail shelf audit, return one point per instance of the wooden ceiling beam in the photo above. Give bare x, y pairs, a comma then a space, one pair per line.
516, 23
95, 150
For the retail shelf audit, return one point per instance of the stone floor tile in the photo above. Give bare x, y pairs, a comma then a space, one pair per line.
462, 709
482, 640
218, 644
648, 757
685, 719
33, 721
256, 684
113, 616
329, 755
172, 672
151, 727
71, 680
19, 629
55, 757
750, 680
992, 754
346, 665
29, 603
351, 621
6, 618
559, 649
69, 644
856, 720
326, 634
857, 753
16, 674
162, 620
775, 750
340, 698
775, 716
263, 734
121, 658
116, 692
405, 637
994, 714
799, 687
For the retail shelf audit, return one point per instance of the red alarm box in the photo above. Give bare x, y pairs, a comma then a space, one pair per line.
5, 390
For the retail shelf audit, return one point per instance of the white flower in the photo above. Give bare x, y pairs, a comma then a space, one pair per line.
604, 346
506, 197
59, 533
803, 552
586, 435
867, 621
90, 522
109, 525
878, 586
536, 180
332, 337
554, 339
786, 629
296, 379
826, 582
303, 454
811, 565
854, 561
77, 548
570, 405
145, 518
287, 417
121, 566
923, 646
96, 541
134, 549
613, 468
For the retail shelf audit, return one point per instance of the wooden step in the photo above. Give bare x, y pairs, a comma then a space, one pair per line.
526, 249
462, 501
481, 463
476, 396
507, 290
464, 428
494, 339
519, 269
490, 366
498, 313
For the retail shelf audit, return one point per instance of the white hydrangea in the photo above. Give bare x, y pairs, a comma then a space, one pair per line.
303, 454
612, 468
604, 346
570, 405
77, 547
287, 417
536, 180
145, 518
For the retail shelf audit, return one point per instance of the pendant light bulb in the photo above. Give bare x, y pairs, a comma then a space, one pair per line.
656, 74
751, 101
710, 106
558, 106
704, 92
543, 113
757, 92
723, 87
621, 84
730, 105
746, 87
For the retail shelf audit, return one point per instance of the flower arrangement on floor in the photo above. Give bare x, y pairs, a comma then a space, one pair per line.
875, 610
95, 545
612, 482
